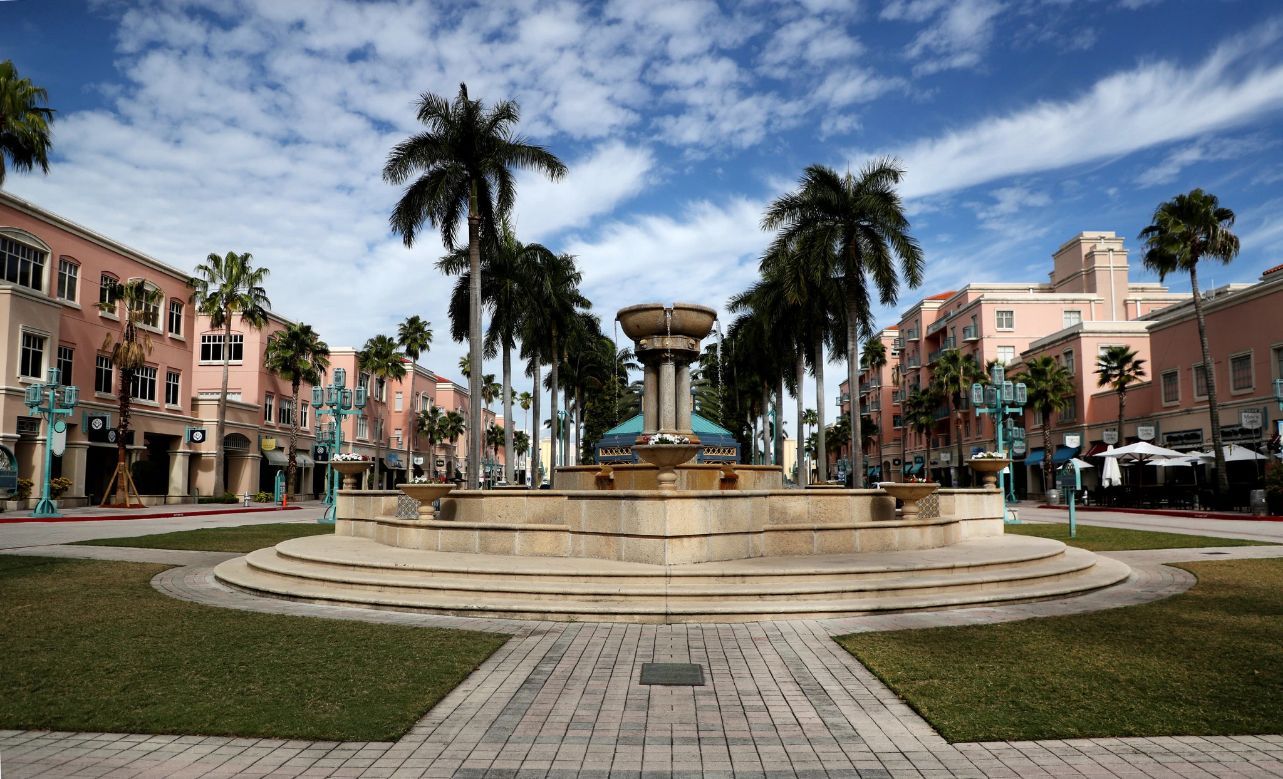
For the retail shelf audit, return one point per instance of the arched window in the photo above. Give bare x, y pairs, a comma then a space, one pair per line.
23, 257
150, 313
106, 283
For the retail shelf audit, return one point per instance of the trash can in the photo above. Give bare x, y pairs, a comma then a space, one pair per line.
1053, 497
1256, 500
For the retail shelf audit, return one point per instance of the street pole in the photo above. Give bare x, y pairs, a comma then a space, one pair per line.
338, 402
51, 400
998, 398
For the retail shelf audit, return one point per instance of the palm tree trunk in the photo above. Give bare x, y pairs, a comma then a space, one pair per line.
779, 422
476, 434
291, 466
1047, 452
534, 429
1122, 405
768, 455
122, 434
554, 430
220, 477
821, 452
507, 414
800, 376
852, 380
1213, 408
579, 424
957, 423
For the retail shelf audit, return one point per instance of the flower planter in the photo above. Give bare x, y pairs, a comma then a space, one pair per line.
666, 457
989, 467
351, 469
909, 492
426, 494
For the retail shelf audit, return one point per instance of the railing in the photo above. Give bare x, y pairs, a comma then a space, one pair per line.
937, 325
897, 396
911, 335
914, 361
969, 333
941, 412
897, 343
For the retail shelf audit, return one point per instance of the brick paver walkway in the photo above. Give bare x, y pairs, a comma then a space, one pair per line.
782, 699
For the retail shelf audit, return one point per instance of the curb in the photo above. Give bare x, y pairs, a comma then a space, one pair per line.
1172, 513
158, 515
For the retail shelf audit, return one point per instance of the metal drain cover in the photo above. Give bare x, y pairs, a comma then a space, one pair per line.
673, 674
1216, 553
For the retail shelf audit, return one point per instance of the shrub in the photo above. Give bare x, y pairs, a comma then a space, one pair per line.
59, 486
24, 489
226, 497
264, 497
1274, 488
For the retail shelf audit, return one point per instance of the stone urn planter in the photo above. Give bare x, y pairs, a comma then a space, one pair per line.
909, 492
988, 468
666, 457
351, 469
426, 493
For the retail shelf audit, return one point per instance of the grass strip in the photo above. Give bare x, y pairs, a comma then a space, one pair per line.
1114, 539
243, 538
90, 646
1207, 662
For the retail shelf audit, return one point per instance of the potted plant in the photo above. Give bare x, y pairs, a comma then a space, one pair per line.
666, 451
427, 491
988, 465
351, 465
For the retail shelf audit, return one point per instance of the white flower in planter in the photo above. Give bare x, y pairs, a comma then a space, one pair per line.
667, 439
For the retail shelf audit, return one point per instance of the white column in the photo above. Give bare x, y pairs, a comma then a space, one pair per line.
179, 463
667, 401
650, 398
684, 398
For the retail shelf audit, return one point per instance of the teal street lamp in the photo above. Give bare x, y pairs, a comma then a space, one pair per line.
999, 398
52, 401
336, 401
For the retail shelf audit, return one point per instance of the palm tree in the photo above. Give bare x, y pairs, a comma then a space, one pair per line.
918, 414
490, 389
128, 350
24, 122
1049, 386
224, 287
296, 354
463, 164
431, 423
1117, 367
414, 336
874, 360
952, 377
465, 366
380, 358
521, 443
1186, 229
524, 400
494, 440
860, 220
453, 425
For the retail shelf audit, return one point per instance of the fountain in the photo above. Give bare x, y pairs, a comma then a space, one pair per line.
671, 538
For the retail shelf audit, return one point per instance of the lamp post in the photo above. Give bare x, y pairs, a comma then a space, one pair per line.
998, 398
335, 401
51, 400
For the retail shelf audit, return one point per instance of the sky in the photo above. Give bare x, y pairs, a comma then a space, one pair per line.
187, 127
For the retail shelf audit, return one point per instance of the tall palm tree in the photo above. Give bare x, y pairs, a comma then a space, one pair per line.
1186, 229
222, 288
918, 414
490, 389
874, 360
521, 444
431, 423
453, 425
861, 220
381, 359
25, 135
952, 377
463, 164
1118, 367
494, 440
524, 400
128, 350
296, 354
1049, 386
414, 336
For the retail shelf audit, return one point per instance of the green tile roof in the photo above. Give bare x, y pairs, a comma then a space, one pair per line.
699, 425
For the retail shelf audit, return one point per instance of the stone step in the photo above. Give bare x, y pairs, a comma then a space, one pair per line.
591, 588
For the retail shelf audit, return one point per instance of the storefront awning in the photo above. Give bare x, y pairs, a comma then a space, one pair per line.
393, 461
1063, 455
276, 457
302, 460
875, 472
913, 469
1096, 449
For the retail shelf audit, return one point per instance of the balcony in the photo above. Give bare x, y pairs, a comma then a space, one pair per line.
898, 343
941, 412
897, 396
914, 361
970, 333
911, 335
937, 325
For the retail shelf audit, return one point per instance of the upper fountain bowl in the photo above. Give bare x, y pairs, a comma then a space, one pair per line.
647, 320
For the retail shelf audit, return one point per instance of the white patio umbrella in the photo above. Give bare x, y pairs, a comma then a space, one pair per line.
1080, 464
1142, 451
1235, 453
1111, 476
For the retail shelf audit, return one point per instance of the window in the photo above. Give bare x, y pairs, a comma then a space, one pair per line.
1171, 387
65, 354
102, 374
1200, 382
106, 285
22, 264
1006, 320
302, 415
285, 414
151, 310
32, 364
425, 402
173, 383
1069, 361
397, 434
176, 317
1241, 372
1070, 411
1072, 317
267, 408
211, 347
143, 386
362, 427
68, 278
1006, 354
1278, 362
398, 402
897, 421
381, 388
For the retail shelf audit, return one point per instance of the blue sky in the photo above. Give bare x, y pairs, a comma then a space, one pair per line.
192, 126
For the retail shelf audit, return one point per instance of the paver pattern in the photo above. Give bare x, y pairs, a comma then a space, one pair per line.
781, 699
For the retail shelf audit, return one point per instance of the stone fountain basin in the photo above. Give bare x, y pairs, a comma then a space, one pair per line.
647, 320
666, 455
908, 491
426, 493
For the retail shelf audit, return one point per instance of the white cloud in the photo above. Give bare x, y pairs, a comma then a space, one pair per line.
1149, 105
958, 36
594, 185
1203, 150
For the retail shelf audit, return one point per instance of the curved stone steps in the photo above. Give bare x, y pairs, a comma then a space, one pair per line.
495, 593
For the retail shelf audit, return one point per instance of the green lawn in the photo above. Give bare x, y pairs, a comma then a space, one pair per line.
90, 646
245, 538
1207, 662
1112, 539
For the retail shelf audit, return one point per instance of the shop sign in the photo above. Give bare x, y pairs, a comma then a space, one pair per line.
1073, 440
1145, 432
59, 437
946, 457
268, 444
1110, 437
1019, 447
1250, 419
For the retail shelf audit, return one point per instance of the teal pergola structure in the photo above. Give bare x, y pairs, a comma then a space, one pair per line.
717, 445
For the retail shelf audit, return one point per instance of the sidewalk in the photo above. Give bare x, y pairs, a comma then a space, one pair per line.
94, 513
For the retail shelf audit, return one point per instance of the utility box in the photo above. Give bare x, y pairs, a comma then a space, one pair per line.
1256, 501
